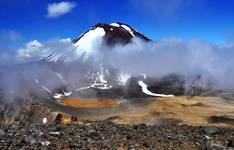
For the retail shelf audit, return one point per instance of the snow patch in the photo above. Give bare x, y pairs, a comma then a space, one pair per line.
100, 85
146, 91
144, 75
82, 88
123, 78
128, 29
115, 24
66, 94
98, 79
90, 41
58, 96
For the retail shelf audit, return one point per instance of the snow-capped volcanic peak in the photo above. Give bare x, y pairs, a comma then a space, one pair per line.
88, 43
111, 34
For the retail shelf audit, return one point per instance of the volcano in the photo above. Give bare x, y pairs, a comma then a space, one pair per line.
77, 73
105, 81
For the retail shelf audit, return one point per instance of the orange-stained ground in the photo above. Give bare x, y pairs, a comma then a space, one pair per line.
90, 103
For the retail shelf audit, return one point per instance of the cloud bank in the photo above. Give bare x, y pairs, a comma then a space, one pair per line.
171, 56
154, 59
35, 50
55, 10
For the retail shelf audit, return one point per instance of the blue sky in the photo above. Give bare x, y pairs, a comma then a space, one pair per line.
25, 20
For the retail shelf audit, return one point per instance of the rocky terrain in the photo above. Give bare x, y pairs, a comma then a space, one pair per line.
106, 135
25, 127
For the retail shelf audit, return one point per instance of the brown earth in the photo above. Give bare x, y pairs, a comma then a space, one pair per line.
183, 110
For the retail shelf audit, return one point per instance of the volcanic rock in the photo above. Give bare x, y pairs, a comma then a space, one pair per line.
211, 130
2, 132
112, 136
214, 146
231, 142
29, 140
58, 118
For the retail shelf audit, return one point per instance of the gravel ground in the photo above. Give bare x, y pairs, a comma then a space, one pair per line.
106, 135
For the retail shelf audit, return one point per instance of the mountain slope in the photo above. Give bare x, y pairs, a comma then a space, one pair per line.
97, 36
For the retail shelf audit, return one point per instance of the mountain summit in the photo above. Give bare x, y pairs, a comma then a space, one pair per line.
98, 35
112, 34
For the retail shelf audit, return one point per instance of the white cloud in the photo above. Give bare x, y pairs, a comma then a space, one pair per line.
66, 40
156, 59
31, 49
34, 50
58, 9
